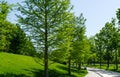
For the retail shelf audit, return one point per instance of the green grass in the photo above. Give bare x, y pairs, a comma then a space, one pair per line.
111, 67
12, 65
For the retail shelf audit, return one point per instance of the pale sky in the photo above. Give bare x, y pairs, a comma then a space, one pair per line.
97, 12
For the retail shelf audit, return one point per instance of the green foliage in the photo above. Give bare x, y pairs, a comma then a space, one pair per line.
118, 15
109, 32
3, 14
35, 16
80, 45
107, 42
93, 50
12, 38
4, 10
21, 44
41, 19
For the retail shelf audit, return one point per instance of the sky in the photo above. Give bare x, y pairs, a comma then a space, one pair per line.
97, 12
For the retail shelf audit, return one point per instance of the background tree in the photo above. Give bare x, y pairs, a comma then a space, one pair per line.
80, 41
65, 37
93, 50
106, 40
99, 46
4, 10
117, 34
12, 37
21, 44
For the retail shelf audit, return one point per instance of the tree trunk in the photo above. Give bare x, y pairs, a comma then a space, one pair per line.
46, 45
69, 66
94, 61
116, 60
79, 65
100, 62
82, 64
100, 57
76, 65
73, 64
108, 59
108, 62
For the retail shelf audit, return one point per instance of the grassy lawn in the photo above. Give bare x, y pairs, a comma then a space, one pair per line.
111, 67
12, 65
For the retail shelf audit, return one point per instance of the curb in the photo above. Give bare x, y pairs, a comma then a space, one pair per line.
99, 74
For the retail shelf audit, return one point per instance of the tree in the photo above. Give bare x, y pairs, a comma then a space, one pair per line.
99, 46
41, 19
107, 40
65, 37
117, 36
92, 49
7, 29
80, 41
12, 37
116, 41
107, 43
20, 43
4, 10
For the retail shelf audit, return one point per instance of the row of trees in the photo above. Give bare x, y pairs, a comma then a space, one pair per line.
55, 30
106, 44
57, 34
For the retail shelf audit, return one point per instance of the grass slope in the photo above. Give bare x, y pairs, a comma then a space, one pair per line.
12, 65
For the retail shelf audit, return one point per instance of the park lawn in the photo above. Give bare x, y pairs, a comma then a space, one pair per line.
12, 65
111, 67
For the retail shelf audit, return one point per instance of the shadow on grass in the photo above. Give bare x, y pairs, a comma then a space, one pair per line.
72, 69
40, 73
52, 73
12, 75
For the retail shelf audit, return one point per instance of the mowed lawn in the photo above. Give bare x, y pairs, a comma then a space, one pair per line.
12, 65
103, 66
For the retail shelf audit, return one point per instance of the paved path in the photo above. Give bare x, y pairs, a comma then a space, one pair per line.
93, 72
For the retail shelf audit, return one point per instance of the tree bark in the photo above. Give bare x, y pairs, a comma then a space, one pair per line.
69, 66
79, 65
108, 64
94, 61
116, 60
108, 61
100, 63
100, 57
46, 45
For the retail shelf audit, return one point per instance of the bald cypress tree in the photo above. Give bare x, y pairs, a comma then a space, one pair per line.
41, 18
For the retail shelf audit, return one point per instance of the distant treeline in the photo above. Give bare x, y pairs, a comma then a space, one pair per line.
12, 38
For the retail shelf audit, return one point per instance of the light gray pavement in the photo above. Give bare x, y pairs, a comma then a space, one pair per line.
93, 72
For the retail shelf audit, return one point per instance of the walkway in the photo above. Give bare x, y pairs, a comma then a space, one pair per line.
93, 72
